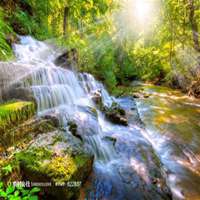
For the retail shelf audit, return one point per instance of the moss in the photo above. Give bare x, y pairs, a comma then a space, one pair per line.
44, 162
61, 169
57, 138
21, 135
33, 158
125, 90
81, 159
12, 113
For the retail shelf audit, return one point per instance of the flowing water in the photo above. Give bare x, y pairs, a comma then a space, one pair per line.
173, 124
125, 165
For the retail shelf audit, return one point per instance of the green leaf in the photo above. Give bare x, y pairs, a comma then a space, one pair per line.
24, 192
33, 197
10, 189
3, 194
14, 198
1, 184
7, 169
16, 193
35, 190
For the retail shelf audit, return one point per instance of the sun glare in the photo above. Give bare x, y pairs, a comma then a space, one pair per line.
142, 10
137, 18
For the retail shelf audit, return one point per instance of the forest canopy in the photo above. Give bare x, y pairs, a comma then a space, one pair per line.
118, 41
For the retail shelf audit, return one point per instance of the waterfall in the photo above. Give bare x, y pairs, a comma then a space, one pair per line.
63, 92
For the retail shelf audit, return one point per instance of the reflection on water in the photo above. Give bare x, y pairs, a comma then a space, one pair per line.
173, 123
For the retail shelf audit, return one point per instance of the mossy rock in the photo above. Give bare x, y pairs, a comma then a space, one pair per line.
13, 113
20, 135
116, 114
39, 164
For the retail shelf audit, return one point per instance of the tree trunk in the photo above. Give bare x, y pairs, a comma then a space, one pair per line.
194, 25
65, 20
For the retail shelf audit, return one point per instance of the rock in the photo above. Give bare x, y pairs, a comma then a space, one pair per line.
73, 129
116, 114
194, 89
11, 39
57, 162
136, 95
110, 139
18, 93
25, 132
86, 120
53, 118
89, 110
140, 95
97, 98
7, 78
68, 59
144, 175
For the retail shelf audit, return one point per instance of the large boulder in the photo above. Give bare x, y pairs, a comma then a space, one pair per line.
11, 73
116, 114
18, 93
68, 59
59, 162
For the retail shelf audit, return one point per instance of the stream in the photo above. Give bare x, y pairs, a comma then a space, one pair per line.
172, 121
134, 162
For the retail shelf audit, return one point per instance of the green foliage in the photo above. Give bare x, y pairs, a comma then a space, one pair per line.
114, 53
18, 193
7, 169
5, 49
24, 24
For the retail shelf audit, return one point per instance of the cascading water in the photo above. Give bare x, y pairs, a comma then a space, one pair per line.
59, 90
125, 164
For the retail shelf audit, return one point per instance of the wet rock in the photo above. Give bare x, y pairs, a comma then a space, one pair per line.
140, 95
116, 114
110, 139
56, 161
87, 122
89, 110
73, 128
53, 118
97, 98
68, 59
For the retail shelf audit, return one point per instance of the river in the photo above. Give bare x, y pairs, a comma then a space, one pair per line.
172, 120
